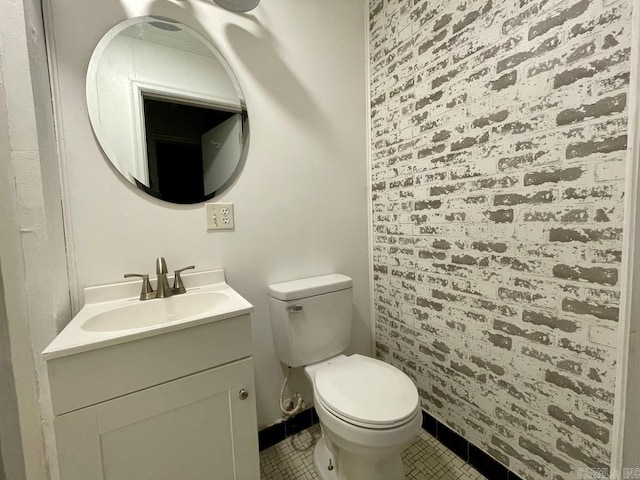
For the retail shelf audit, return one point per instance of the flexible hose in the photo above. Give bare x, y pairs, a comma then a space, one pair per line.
297, 402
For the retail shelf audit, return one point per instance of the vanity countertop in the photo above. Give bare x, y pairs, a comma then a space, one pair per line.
114, 314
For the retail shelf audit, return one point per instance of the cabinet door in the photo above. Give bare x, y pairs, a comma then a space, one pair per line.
193, 428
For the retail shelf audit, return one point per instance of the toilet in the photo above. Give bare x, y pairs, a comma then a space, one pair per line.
369, 410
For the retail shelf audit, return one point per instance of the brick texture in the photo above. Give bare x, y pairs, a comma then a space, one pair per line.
498, 157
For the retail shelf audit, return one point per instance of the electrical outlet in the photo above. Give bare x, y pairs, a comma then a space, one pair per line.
219, 216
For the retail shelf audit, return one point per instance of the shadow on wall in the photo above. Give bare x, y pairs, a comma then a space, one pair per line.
258, 51
11, 455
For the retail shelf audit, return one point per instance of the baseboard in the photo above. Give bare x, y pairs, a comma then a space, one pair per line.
269, 436
474, 456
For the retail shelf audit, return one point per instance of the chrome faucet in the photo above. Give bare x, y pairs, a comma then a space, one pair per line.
163, 289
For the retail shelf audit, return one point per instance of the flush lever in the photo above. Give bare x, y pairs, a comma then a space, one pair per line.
294, 308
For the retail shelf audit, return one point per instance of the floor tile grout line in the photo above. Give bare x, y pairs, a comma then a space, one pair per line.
424, 459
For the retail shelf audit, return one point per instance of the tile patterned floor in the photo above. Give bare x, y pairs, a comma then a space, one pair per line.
425, 459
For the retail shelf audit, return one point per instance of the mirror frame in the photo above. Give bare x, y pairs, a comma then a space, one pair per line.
157, 90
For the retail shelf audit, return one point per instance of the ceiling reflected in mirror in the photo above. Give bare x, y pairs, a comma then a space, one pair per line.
239, 6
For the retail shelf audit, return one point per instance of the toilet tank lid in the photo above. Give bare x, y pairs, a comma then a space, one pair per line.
309, 287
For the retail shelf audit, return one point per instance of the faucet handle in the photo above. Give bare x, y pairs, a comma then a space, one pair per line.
147, 291
178, 285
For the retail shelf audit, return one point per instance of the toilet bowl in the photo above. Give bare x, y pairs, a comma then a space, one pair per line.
369, 410
369, 413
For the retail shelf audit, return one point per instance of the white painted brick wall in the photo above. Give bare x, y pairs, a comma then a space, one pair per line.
498, 155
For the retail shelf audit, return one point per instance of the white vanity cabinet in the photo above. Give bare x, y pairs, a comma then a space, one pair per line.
200, 427
174, 401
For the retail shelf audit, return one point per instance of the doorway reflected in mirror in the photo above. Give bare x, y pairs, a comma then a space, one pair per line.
188, 147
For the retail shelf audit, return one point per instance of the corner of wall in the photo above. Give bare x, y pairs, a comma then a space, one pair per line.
626, 432
32, 246
367, 80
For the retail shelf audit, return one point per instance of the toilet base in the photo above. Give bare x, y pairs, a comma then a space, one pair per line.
355, 467
321, 457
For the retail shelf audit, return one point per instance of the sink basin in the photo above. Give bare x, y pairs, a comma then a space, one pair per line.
113, 314
155, 312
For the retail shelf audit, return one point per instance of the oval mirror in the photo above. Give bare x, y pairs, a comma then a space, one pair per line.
167, 110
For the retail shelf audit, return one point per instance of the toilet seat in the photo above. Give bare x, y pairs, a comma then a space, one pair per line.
367, 392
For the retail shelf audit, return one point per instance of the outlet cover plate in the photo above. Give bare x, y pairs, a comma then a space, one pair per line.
220, 216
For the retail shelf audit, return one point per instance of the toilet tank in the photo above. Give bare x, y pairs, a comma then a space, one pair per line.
311, 318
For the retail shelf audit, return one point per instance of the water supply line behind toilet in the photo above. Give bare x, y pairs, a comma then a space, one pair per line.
290, 406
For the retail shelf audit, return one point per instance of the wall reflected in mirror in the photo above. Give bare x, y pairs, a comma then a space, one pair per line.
167, 110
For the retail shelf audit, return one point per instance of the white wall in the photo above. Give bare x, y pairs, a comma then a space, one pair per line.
300, 202
34, 271
11, 454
